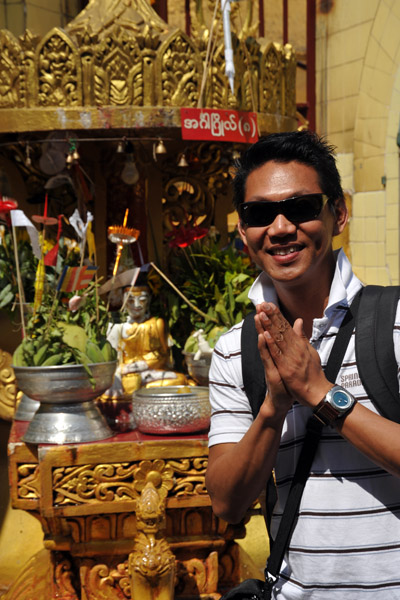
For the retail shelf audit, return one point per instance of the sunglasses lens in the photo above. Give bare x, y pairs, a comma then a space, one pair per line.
296, 210
305, 208
258, 214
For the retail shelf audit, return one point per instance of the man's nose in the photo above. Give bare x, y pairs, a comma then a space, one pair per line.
281, 226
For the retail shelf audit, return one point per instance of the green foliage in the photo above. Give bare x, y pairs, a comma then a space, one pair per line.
9, 293
215, 280
57, 336
8, 273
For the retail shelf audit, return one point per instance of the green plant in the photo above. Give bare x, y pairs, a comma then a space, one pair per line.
54, 332
56, 335
8, 275
215, 280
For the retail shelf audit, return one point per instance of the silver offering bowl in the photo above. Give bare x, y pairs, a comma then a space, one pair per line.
67, 413
171, 409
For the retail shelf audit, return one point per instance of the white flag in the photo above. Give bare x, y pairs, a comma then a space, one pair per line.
19, 219
122, 280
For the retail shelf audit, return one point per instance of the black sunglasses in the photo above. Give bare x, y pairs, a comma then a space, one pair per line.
299, 209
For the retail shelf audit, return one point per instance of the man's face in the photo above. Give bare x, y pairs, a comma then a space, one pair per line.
286, 251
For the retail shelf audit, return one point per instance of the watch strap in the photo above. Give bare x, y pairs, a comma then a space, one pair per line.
326, 413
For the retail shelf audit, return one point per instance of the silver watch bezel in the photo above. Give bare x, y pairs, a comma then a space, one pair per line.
342, 410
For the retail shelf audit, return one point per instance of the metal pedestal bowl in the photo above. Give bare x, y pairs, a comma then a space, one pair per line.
26, 409
171, 409
67, 413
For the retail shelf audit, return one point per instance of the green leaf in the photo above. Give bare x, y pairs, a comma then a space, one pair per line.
7, 299
244, 296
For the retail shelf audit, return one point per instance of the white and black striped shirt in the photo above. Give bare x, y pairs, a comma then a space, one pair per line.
346, 543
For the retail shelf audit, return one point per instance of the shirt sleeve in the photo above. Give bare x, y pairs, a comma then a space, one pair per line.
231, 414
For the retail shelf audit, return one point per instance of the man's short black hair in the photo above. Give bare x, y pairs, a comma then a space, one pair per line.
305, 147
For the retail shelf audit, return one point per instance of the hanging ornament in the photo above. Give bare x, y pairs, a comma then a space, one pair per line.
122, 236
121, 147
44, 220
182, 162
130, 173
28, 160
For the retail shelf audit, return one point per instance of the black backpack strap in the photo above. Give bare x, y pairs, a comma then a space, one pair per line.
376, 360
256, 388
252, 367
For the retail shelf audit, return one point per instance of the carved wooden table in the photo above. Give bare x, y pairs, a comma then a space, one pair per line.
128, 517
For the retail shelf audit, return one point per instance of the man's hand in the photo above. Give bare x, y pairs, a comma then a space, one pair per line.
277, 394
295, 360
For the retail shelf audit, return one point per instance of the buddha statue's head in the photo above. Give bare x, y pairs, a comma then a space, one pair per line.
137, 301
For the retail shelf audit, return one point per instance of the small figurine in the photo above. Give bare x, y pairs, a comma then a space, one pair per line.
142, 346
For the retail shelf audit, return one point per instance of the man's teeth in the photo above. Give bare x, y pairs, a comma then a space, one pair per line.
284, 251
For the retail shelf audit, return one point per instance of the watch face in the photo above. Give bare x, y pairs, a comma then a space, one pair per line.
341, 400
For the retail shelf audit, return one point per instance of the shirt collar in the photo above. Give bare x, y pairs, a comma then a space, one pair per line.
344, 286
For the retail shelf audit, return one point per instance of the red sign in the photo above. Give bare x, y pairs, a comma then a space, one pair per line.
219, 125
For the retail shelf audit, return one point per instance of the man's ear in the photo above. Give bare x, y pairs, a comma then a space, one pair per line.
242, 232
341, 216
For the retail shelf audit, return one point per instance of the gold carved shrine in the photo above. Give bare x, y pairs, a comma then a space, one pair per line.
125, 518
118, 64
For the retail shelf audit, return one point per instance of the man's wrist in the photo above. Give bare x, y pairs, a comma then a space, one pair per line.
337, 403
273, 414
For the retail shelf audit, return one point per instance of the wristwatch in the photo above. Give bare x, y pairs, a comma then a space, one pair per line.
337, 403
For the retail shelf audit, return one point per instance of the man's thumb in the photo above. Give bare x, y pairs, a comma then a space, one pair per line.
299, 328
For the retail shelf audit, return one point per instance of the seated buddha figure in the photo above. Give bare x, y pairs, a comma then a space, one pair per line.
142, 346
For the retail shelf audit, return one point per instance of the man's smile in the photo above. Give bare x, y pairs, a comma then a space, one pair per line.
284, 250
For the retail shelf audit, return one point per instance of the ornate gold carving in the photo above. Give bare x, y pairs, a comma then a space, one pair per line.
187, 199
103, 582
120, 53
8, 385
28, 481
10, 57
132, 15
59, 71
125, 481
271, 79
63, 578
118, 71
191, 200
88, 483
157, 472
192, 476
151, 563
197, 576
180, 71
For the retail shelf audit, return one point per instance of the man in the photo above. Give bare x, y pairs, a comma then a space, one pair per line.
346, 541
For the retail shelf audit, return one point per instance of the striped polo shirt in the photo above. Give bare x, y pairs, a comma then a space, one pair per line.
346, 543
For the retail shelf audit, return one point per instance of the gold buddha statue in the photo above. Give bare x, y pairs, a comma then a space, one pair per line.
142, 346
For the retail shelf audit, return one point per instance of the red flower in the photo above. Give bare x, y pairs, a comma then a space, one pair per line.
6, 204
182, 237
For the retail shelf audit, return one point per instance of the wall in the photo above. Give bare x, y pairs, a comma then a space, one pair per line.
358, 105
39, 16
